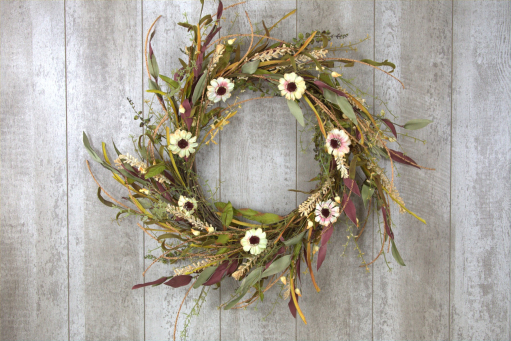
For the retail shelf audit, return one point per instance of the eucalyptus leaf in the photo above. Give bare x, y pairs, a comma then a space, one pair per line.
295, 240
384, 63
250, 67
227, 214
252, 278
153, 85
296, 111
367, 192
173, 84
197, 92
234, 301
153, 67
342, 103
278, 266
396, 254
416, 124
155, 170
204, 276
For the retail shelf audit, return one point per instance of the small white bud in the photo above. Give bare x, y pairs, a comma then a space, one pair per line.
181, 109
335, 74
309, 224
283, 279
315, 249
230, 41
298, 292
337, 199
195, 232
211, 229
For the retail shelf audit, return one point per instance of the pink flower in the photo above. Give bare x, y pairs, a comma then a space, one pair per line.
337, 142
220, 89
326, 212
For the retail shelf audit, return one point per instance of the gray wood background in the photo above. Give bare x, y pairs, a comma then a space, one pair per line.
67, 267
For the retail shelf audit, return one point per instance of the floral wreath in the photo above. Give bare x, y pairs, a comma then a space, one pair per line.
218, 240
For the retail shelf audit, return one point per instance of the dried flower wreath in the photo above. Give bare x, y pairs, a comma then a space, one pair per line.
217, 240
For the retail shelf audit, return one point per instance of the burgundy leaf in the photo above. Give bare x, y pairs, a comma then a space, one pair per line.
387, 228
291, 305
401, 158
157, 282
352, 185
179, 281
218, 274
359, 136
198, 67
219, 11
327, 234
349, 208
163, 191
321, 255
390, 125
232, 268
322, 86
177, 77
211, 35
186, 115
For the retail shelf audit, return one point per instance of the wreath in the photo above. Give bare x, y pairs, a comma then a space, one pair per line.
219, 240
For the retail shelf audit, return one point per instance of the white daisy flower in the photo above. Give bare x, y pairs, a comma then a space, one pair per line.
182, 143
337, 142
254, 241
326, 212
292, 86
187, 205
220, 89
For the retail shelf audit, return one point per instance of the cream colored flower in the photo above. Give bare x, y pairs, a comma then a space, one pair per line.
181, 109
254, 241
195, 232
220, 89
337, 142
335, 74
326, 212
292, 86
187, 205
181, 142
230, 41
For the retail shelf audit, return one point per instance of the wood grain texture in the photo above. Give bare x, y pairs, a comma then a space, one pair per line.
346, 289
104, 66
412, 302
33, 236
258, 167
162, 303
481, 158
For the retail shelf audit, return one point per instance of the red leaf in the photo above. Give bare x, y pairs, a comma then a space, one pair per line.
232, 268
157, 282
179, 281
321, 255
401, 158
352, 185
219, 11
387, 228
322, 85
390, 125
186, 115
291, 305
211, 35
349, 208
327, 234
218, 274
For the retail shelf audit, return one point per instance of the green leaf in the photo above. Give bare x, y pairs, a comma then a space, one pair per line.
385, 62
263, 218
252, 278
105, 202
222, 239
173, 84
154, 170
396, 254
159, 92
295, 240
233, 302
278, 266
342, 103
153, 85
204, 276
197, 92
367, 192
153, 67
416, 124
227, 214
250, 67
296, 111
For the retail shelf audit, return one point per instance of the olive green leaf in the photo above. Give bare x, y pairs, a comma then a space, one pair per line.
296, 111
204, 276
342, 103
367, 192
295, 240
250, 67
155, 170
199, 87
227, 214
416, 124
279, 265
396, 254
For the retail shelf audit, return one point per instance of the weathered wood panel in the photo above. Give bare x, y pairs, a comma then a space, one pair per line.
257, 168
104, 66
33, 246
481, 159
346, 289
162, 303
412, 302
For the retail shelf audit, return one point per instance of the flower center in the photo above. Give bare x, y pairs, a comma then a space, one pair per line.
325, 212
254, 240
189, 206
291, 87
221, 91
334, 143
182, 144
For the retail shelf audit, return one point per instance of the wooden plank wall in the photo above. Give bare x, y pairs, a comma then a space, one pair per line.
67, 267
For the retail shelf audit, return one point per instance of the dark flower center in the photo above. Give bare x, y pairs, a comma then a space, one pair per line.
325, 212
189, 206
221, 91
291, 87
334, 143
182, 144
254, 240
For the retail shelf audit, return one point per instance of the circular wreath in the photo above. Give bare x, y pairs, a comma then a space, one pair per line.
218, 240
